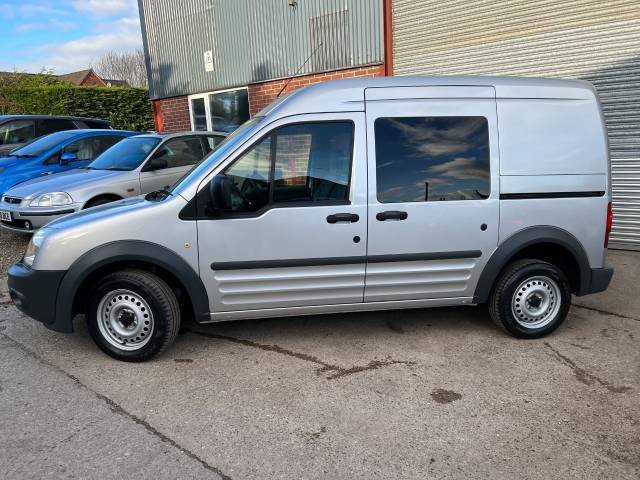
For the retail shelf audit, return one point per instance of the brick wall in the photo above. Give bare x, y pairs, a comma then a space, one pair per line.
262, 94
172, 114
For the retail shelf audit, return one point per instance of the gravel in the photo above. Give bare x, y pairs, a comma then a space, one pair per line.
12, 247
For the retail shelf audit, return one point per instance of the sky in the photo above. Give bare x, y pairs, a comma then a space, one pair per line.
65, 35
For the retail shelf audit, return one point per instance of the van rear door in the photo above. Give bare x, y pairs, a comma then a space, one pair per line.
433, 177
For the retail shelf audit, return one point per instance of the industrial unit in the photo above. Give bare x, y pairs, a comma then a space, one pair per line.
214, 63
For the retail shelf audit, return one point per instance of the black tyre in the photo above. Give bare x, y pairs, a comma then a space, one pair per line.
98, 201
530, 299
133, 315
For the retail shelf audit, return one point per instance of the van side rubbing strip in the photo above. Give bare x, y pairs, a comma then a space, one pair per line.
528, 196
313, 262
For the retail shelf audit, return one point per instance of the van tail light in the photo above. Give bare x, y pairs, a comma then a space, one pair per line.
609, 225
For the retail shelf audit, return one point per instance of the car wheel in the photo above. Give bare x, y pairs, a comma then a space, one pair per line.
133, 315
530, 299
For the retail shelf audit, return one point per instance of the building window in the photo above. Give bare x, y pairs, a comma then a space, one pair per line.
222, 111
198, 114
331, 41
425, 159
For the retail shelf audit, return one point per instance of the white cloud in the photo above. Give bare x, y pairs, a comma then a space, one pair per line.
462, 169
53, 23
120, 35
111, 25
105, 8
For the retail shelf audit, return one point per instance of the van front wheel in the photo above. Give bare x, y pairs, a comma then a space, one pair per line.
133, 315
530, 299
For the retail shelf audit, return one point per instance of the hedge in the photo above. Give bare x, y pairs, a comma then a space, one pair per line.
125, 107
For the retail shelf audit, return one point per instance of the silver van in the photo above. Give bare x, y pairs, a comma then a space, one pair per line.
351, 195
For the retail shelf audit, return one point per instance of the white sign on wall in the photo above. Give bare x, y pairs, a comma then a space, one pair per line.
208, 61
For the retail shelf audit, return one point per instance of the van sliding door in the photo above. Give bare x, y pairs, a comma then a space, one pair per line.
433, 191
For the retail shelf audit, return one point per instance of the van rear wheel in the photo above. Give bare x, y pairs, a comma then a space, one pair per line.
530, 299
133, 315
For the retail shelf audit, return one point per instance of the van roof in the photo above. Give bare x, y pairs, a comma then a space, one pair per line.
349, 94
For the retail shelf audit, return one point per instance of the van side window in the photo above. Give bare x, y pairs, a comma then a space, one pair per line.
305, 162
425, 159
245, 184
313, 162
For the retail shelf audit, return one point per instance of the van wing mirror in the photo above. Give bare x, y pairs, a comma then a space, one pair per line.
68, 157
220, 192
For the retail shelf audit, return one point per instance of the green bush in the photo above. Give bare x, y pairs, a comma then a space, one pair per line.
18, 79
125, 107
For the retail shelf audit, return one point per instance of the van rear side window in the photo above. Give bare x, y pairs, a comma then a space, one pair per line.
425, 159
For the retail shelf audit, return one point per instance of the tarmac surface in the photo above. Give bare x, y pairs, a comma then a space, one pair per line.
437, 393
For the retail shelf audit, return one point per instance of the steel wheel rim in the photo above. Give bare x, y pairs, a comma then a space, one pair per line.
536, 302
125, 319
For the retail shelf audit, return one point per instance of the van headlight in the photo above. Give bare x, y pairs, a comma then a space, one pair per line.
33, 247
53, 199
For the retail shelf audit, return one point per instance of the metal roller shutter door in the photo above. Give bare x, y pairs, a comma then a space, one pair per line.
587, 39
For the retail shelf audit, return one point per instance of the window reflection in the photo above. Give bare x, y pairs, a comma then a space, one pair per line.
432, 159
228, 110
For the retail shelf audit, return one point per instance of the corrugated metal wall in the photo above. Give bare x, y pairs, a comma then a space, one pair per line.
251, 40
588, 39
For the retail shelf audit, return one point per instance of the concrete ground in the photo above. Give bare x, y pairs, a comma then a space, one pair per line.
435, 393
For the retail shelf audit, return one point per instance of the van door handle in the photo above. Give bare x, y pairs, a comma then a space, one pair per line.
343, 217
391, 215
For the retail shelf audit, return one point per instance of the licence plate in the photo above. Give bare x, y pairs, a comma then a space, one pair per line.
5, 216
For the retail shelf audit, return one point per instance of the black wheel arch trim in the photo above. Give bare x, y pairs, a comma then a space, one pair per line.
129, 250
525, 238
113, 197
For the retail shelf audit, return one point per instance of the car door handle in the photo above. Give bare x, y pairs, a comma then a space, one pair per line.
343, 217
391, 215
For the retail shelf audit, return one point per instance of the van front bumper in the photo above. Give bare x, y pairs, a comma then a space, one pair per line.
598, 282
35, 292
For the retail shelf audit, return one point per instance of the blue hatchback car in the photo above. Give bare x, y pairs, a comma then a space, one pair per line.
55, 153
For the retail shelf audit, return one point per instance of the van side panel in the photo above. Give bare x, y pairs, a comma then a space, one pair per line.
551, 137
584, 218
554, 168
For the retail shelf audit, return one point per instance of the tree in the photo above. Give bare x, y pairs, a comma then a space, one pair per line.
129, 66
